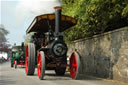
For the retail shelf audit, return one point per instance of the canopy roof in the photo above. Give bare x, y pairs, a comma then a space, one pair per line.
44, 22
16, 48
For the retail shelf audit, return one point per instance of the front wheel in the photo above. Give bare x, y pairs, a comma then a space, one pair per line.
74, 65
15, 64
11, 65
30, 59
41, 65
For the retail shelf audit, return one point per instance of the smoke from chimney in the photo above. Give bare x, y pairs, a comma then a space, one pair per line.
28, 9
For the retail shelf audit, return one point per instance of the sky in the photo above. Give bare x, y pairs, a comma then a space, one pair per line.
17, 15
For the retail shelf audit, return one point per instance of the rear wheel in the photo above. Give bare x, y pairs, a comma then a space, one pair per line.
74, 65
41, 65
30, 59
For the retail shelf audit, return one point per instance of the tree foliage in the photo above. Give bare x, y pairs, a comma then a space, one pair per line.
95, 16
3, 40
3, 33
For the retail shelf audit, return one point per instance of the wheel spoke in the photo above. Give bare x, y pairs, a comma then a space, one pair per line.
74, 65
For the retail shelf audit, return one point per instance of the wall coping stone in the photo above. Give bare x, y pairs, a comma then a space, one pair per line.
99, 35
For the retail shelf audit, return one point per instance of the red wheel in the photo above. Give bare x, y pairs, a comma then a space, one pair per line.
74, 65
26, 60
30, 59
41, 65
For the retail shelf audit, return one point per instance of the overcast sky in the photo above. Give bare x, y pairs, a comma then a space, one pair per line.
16, 15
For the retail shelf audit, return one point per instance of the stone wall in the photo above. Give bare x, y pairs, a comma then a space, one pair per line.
104, 55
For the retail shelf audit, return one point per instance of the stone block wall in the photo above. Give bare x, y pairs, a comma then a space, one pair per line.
104, 55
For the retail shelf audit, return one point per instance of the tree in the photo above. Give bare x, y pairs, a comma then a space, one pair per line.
95, 16
4, 47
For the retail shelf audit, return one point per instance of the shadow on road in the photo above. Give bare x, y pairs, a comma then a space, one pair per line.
53, 76
86, 77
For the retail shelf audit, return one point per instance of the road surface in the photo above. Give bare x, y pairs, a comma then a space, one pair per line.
11, 76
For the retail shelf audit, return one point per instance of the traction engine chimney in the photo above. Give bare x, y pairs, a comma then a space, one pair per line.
57, 19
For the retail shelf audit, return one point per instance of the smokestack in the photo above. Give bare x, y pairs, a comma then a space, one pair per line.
57, 19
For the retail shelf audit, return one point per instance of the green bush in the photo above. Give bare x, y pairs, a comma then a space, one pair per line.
95, 16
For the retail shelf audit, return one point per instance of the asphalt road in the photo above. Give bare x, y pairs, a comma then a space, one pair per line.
11, 76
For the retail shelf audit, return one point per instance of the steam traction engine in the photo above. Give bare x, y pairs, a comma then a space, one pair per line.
47, 49
17, 56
